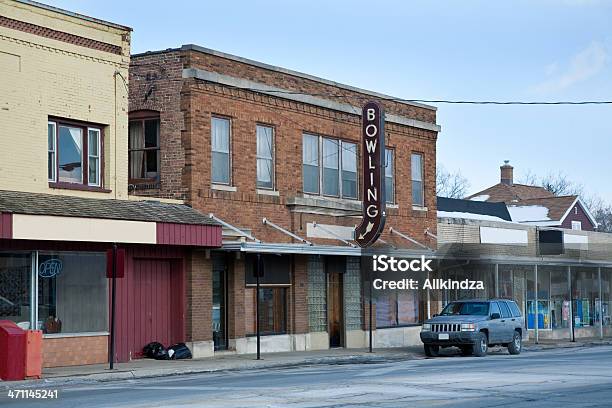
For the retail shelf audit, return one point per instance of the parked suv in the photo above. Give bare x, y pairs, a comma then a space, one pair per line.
474, 326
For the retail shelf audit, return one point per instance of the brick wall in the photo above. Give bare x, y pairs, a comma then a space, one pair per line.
68, 351
186, 108
198, 316
155, 85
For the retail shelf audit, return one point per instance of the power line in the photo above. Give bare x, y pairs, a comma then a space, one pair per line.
447, 101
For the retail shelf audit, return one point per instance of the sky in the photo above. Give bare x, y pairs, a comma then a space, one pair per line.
545, 50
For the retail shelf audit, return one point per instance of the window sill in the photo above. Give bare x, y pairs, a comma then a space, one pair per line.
84, 334
222, 187
419, 208
392, 205
268, 192
79, 187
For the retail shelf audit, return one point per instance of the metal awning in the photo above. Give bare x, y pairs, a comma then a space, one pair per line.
287, 248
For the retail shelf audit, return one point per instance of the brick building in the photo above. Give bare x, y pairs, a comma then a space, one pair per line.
273, 154
64, 197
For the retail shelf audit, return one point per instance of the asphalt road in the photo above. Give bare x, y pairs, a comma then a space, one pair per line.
559, 378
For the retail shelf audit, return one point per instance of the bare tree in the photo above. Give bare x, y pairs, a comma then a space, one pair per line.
559, 184
451, 185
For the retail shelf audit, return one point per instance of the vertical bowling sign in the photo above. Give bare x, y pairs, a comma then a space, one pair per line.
372, 175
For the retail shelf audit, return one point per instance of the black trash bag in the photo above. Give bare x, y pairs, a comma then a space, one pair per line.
179, 351
162, 355
153, 349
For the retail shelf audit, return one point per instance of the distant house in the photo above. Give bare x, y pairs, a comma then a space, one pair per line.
535, 205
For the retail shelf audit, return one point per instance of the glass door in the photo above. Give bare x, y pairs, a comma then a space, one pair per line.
219, 307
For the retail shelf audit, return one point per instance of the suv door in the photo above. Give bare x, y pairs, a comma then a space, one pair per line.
506, 323
517, 317
495, 326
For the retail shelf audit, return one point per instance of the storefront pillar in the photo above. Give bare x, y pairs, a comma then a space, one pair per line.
571, 308
600, 303
536, 302
496, 280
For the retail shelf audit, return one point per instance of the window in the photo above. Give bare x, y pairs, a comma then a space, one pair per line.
15, 288
397, 308
331, 161
416, 161
337, 177
577, 225
389, 179
505, 311
71, 148
72, 292
515, 309
51, 150
310, 163
220, 136
265, 157
495, 309
349, 170
144, 149
272, 310
93, 158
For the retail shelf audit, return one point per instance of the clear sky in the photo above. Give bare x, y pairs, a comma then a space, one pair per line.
460, 50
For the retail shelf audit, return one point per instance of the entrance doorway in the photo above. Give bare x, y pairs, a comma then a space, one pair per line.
219, 306
335, 306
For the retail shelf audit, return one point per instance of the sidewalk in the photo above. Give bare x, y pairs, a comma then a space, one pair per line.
235, 362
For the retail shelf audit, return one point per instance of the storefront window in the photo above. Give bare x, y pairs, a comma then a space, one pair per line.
273, 310
72, 292
606, 290
559, 298
397, 308
15, 287
585, 297
459, 271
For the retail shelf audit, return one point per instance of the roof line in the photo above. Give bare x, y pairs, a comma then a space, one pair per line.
73, 14
584, 208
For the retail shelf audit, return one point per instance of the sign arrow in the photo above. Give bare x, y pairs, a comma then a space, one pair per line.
368, 229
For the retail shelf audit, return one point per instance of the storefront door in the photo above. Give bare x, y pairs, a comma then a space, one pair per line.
334, 312
219, 320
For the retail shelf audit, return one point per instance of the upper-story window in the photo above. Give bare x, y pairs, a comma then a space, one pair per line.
220, 139
143, 146
74, 153
322, 161
265, 157
416, 161
577, 225
389, 176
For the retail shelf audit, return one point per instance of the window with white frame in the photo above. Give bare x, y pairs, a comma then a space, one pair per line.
577, 225
220, 137
329, 166
74, 153
416, 161
265, 157
389, 176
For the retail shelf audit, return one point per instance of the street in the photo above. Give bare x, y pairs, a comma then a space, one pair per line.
571, 377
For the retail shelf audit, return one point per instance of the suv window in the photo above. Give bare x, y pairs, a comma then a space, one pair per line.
516, 312
466, 308
505, 310
495, 308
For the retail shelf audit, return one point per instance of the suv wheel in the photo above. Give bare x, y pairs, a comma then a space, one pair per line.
517, 344
431, 351
481, 345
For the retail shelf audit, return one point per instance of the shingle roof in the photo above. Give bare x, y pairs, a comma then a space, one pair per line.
498, 210
69, 206
557, 206
510, 193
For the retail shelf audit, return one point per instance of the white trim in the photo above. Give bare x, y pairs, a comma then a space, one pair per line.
54, 179
223, 187
99, 157
84, 334
274, 193
419, 208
